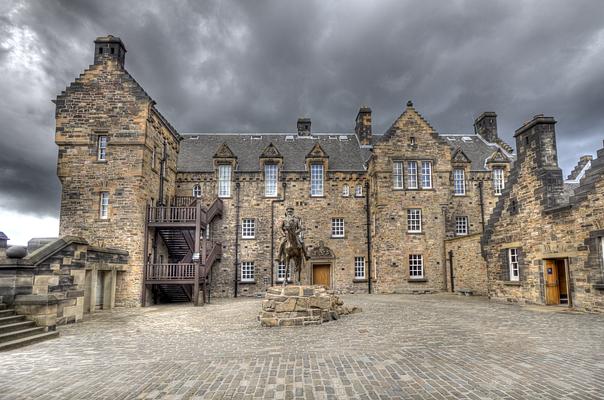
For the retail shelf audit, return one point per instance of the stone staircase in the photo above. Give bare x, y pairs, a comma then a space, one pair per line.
16, 331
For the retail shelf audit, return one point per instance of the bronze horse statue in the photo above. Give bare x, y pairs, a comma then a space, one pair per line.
292, 249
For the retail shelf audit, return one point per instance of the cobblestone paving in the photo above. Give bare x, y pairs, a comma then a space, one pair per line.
416, 347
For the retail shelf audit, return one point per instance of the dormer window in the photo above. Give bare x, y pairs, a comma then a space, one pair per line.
102, 148
316, 180
197, 190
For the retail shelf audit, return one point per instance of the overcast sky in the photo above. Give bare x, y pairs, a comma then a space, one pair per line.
233, 66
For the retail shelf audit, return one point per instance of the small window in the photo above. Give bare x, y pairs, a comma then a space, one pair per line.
461, 226
316, 179
358, 191
412, 175
197, 190
281, 272
345, 191
426, 175
337, 227
414, 220
248, 228
224, 181
359, 268
102, 148
412, 140
459, 182
514, 265
100, 50
416, 266
397, 175
498, 181
104, 205
247, 271
270, 180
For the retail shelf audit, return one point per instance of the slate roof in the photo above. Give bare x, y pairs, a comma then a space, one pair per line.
475, 147
197, 150
3, 236
344, 151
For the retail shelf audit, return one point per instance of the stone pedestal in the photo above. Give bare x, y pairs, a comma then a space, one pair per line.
301, 305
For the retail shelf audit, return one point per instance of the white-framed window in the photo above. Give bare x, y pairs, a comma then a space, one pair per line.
197, 190
247, 271
459, 182
461, 225
426, 175
270, 180
414, 220
281, 271
602, 250
514, 265
498, 180
104, 205
397, 174
224, 181
358, 191
248, 228
416, 266
412, 175
101, 148
337, 227
359, 268
345, 190
316, 179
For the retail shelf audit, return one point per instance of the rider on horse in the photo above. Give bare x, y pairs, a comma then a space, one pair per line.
294, 223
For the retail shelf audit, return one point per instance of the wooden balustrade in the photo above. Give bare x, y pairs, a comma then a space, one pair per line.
168, 272
171, 214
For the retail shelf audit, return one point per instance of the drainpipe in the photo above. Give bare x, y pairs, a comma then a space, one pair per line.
237, 228
281, 200
451, 271
480, 189
368, 217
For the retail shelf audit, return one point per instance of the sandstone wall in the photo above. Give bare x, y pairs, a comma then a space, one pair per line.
469, 268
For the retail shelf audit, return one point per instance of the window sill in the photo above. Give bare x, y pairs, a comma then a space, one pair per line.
318, 196
460, 195
225, 197
461, 234
271, 196
247, 282
100, 161
360, 280
415, 232
512, 283
417, 280
338, 237
598, 286
248, 238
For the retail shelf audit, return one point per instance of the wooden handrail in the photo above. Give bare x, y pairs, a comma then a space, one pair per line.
171, 214
166, 272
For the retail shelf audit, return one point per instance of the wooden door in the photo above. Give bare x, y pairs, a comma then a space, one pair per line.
552, 283
320, 275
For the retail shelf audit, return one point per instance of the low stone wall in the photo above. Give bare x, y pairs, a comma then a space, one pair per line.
301, 305
469, 268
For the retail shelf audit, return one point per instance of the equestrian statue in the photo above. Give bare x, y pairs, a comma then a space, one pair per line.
292, 248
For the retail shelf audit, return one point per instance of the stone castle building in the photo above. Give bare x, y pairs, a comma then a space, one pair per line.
402, 211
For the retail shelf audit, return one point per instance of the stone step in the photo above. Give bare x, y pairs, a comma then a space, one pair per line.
16, 326
11, 319
28, 340
10, 336
6, 313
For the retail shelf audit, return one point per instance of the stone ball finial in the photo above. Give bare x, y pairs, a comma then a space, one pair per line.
16, 252
409, 103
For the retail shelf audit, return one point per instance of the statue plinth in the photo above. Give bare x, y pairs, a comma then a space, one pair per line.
297, 305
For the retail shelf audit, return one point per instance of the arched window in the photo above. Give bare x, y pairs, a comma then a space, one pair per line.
197, 191
345, 191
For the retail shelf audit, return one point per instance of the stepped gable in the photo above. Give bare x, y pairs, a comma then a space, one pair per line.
410, 121
583, 164
197, 150
587, 184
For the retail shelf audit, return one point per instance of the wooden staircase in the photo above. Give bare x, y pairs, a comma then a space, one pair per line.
16, 331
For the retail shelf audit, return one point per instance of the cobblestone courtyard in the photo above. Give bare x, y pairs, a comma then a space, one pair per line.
424, 347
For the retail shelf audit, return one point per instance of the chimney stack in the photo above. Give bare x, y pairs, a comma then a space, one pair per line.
363, 125
303, 126
109, 48
486, 126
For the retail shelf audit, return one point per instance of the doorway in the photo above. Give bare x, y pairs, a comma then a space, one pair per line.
556, 282
100, 290
321, 275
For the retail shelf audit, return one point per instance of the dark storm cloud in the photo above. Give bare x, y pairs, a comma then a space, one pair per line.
257, 66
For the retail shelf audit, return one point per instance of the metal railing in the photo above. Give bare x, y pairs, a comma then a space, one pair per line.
167, 272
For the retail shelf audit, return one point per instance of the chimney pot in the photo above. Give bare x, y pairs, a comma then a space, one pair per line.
304, 127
